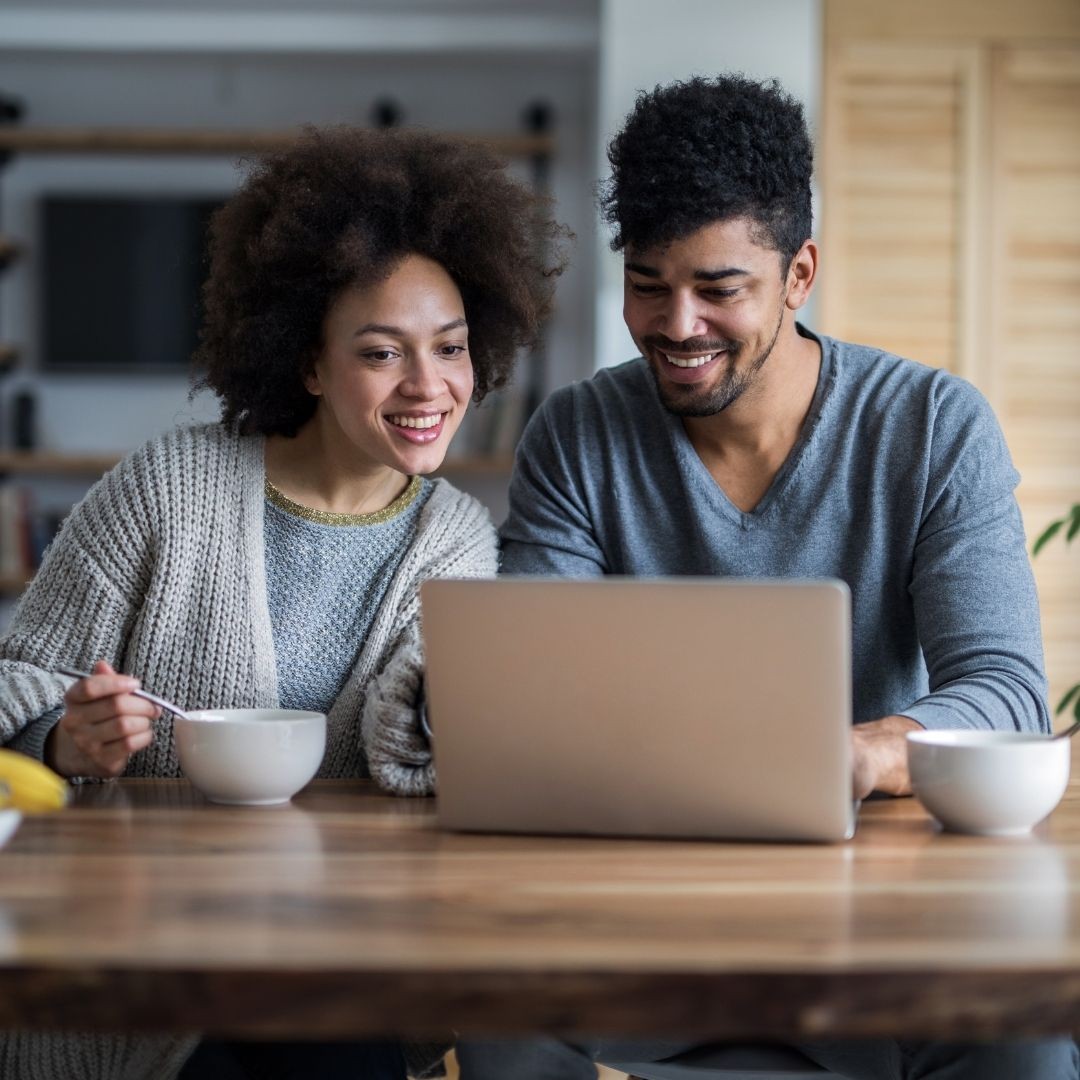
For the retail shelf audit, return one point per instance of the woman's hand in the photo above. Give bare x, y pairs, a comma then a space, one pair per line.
102, 726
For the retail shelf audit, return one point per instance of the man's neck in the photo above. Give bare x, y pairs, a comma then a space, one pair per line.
745, 446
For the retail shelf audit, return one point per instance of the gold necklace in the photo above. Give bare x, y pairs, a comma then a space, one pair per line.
325, 517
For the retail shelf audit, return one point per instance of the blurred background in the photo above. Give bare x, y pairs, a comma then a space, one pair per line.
948, 199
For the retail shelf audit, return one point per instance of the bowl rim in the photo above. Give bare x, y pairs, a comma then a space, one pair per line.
968, 739
237, 716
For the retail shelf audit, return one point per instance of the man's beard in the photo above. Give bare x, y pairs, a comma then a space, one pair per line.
690, 400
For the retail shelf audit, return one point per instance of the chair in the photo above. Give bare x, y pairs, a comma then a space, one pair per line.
737, 1061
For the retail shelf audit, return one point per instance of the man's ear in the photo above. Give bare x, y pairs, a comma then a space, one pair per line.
801, 273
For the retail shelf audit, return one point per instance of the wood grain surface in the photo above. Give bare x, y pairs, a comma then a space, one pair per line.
347, 913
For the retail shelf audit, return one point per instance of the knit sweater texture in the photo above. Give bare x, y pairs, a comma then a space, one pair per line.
160, 570
324, 584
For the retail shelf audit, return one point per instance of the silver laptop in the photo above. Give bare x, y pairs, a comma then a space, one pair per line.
682, 707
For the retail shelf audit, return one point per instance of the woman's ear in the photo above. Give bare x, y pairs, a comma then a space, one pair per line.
310, 376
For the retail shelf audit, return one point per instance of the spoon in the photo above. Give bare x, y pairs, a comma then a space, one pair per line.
1069, 731
168, 706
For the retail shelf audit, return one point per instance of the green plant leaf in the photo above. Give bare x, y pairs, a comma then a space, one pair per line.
1047, 535
1074, 525
1064, 703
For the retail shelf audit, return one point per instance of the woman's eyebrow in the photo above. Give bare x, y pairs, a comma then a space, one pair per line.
383, 328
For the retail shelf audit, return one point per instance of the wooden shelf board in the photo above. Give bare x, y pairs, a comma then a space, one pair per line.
28, 461
24, 461
158, 141
494, 465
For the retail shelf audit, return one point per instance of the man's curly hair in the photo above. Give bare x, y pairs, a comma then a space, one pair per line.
341, 207
710, 150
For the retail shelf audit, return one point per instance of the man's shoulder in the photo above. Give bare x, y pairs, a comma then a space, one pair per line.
624, 387
886, 379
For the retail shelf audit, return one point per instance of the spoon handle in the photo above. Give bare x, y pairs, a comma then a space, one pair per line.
168, 706
1069, 731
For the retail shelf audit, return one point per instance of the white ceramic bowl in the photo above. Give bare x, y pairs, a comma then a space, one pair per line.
250, 757
991, 783
9, 822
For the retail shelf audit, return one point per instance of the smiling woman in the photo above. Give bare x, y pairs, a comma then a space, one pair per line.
364, 288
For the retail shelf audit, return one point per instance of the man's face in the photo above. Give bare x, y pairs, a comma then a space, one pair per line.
705, 311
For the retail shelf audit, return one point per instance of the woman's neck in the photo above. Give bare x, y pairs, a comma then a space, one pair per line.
312, 470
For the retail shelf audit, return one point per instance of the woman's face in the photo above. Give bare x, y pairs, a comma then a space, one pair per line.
395, 377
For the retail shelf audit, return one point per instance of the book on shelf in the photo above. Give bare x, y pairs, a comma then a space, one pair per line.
25, 532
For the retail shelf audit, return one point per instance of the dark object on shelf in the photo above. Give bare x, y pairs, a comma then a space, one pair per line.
386, 113
9, 357
9, 252
120, 281
538, 118
24, 420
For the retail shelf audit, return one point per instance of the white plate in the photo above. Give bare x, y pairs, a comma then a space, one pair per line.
9, 822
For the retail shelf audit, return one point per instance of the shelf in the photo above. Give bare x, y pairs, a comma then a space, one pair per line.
157, 141
45, 463
476, 465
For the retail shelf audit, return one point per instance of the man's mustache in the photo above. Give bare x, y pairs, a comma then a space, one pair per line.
690, 345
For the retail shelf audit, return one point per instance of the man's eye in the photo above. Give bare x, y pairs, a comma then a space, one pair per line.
722, 294
642, 289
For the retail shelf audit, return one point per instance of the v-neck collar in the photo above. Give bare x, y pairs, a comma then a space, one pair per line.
702, 480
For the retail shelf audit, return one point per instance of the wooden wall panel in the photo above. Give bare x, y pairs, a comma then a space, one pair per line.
1035, 314
891, 253
951, 234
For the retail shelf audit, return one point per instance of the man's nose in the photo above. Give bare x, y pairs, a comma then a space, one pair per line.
681, 318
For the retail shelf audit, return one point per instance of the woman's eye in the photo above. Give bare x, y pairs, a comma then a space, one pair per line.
453, 350
380, 356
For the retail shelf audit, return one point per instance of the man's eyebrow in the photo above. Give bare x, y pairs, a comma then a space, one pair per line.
396, 331
720, 275
699, 275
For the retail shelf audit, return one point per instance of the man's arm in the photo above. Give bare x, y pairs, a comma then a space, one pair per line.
549, 529
972, 589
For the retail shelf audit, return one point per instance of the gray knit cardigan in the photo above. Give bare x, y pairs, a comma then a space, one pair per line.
159, 570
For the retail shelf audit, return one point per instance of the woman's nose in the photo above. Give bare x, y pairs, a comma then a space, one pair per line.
422, 378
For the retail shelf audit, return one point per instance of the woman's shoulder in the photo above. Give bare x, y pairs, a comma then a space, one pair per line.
454, 509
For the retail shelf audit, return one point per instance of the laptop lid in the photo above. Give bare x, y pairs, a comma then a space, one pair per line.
690, 707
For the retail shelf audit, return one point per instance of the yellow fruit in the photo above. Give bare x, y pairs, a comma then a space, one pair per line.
27, 785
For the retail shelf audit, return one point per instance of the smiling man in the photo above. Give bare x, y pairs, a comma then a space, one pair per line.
742, 444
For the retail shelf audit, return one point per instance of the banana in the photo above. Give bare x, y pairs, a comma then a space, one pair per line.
27, 785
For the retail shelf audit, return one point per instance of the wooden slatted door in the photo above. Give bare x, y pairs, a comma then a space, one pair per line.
1034, 314
951, 234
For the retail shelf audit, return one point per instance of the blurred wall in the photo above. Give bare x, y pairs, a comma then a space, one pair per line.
643, 43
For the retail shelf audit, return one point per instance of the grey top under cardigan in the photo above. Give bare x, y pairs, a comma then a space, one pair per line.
900, 484
160, 571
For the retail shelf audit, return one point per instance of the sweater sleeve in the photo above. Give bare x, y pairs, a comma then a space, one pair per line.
78, 609
972, 587
549, 529
397, 749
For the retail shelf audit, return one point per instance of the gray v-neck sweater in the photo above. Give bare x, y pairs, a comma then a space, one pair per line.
900, 484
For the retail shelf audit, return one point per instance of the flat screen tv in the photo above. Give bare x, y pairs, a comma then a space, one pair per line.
120, 281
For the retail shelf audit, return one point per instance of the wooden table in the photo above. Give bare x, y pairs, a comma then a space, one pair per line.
347, 913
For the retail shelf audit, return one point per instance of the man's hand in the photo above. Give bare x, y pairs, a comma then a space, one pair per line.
102, 726
880, 756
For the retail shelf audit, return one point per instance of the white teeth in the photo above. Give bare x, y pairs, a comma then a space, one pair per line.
694, 361
416, 421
